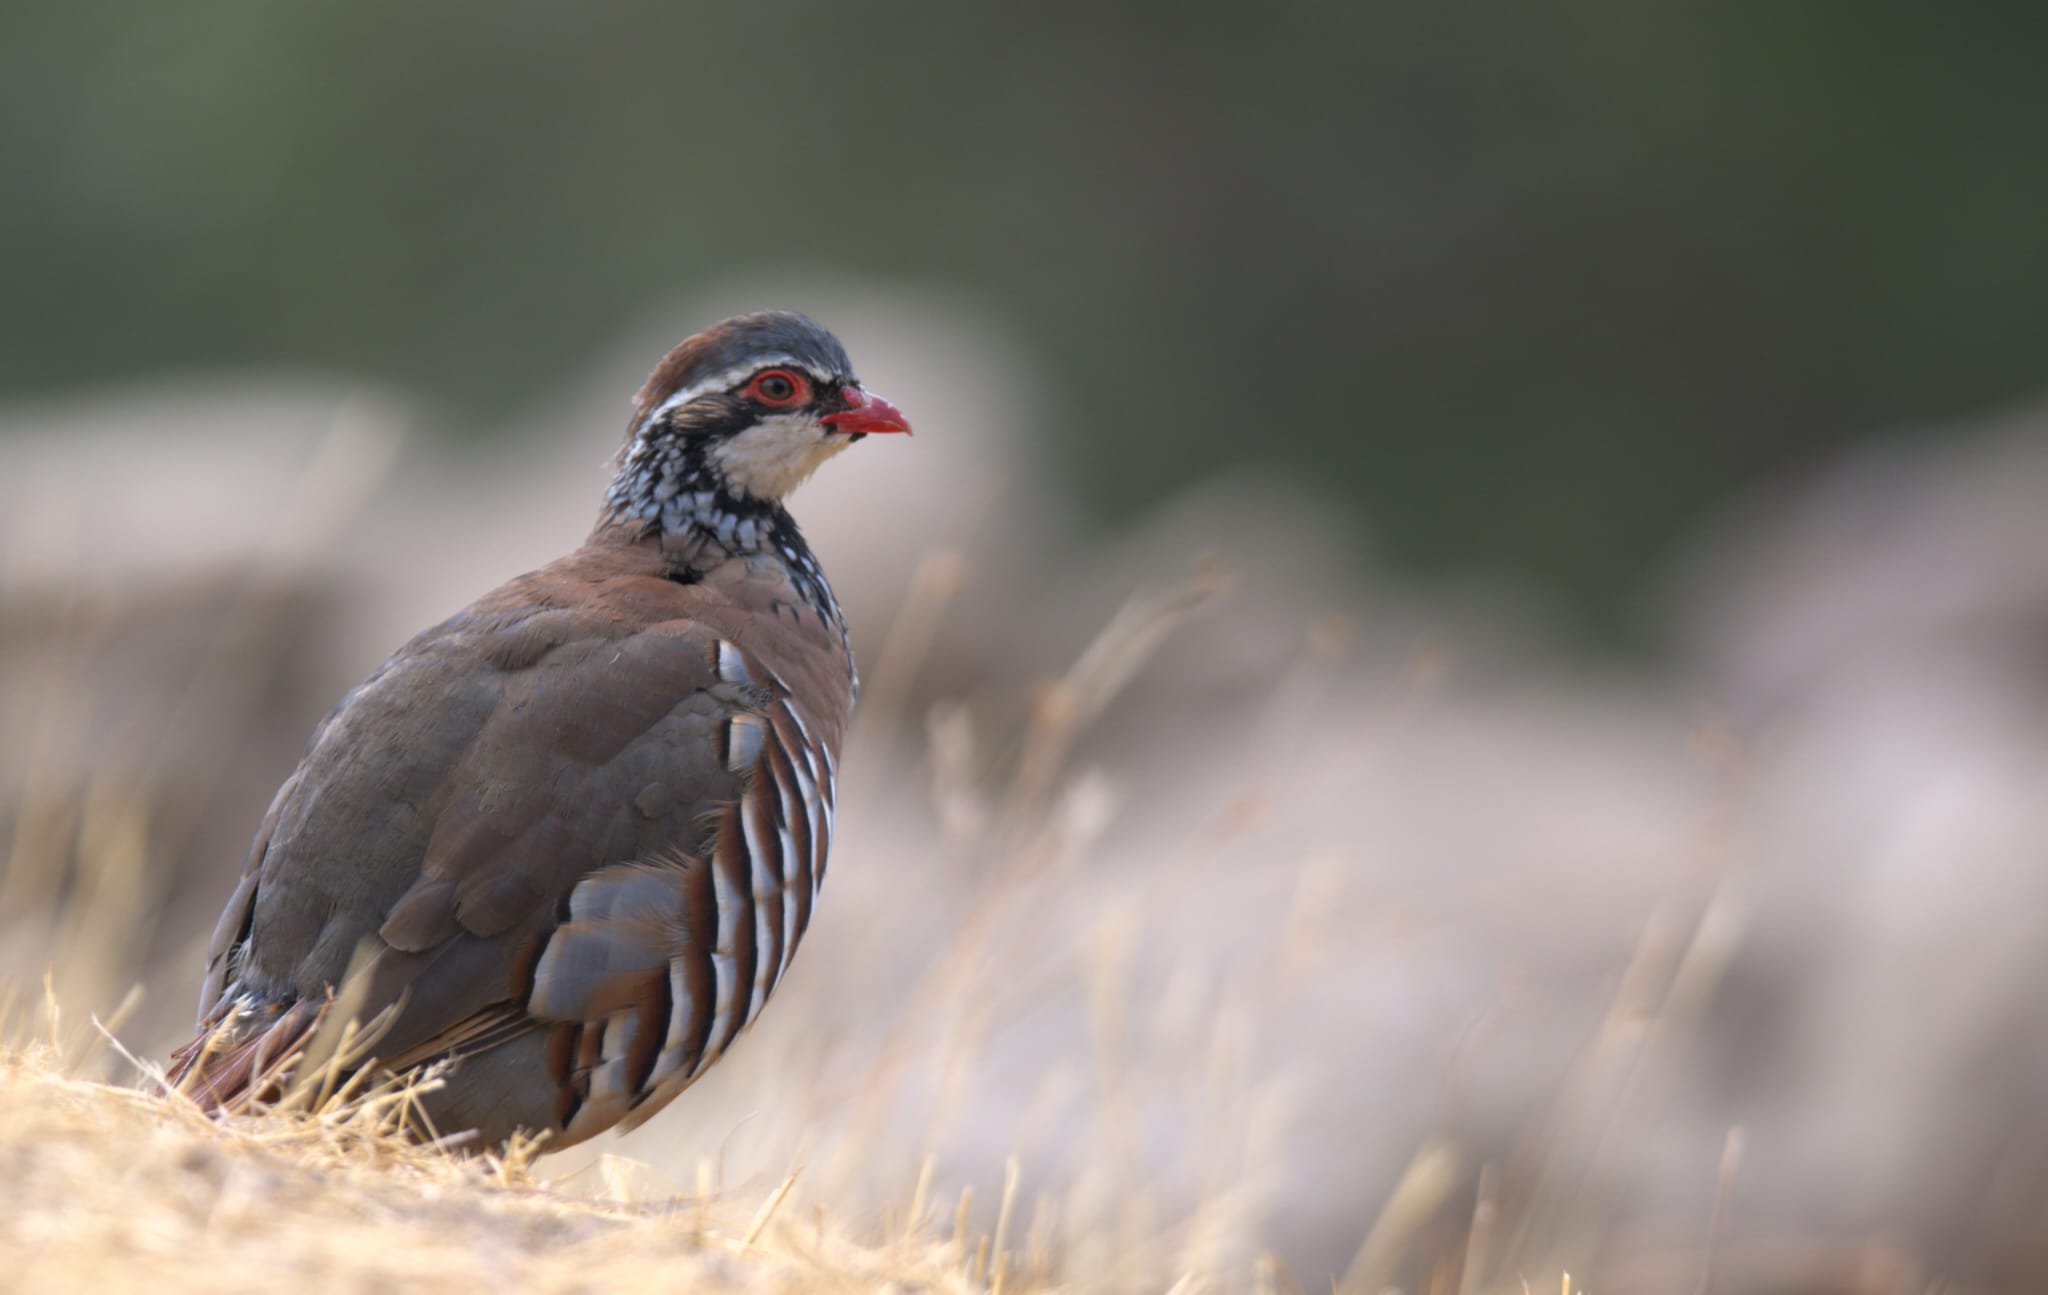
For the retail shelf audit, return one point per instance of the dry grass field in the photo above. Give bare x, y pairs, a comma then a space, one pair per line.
110, 1188
1209, 913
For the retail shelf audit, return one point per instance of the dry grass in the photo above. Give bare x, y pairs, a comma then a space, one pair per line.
110, 1188
116, 1187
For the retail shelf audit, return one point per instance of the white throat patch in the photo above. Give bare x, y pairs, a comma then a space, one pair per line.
775, 455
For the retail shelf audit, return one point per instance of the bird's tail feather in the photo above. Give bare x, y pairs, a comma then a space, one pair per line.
246, 1055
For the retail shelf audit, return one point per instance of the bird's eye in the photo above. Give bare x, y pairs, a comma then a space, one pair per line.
777, 387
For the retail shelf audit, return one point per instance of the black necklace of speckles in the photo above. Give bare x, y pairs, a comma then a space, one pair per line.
668, 486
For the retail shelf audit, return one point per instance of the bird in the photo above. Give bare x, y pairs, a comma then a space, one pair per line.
562, 846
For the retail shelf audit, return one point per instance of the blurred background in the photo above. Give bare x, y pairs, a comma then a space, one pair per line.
1458, 671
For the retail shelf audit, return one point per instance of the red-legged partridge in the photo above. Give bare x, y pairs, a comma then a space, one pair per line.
570, 837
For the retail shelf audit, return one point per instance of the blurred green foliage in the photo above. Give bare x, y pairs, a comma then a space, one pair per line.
1529, 286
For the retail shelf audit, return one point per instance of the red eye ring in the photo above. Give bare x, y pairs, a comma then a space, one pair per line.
779, 387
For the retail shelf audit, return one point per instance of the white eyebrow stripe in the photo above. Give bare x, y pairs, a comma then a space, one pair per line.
731, 377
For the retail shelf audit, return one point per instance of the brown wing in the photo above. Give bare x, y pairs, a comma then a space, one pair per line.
576, 804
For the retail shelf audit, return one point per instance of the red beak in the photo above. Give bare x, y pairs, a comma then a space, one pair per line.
866, 412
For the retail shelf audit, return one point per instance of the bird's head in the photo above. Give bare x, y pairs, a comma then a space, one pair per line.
745, 410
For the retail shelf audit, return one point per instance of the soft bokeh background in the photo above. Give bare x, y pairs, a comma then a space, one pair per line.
1458, 671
